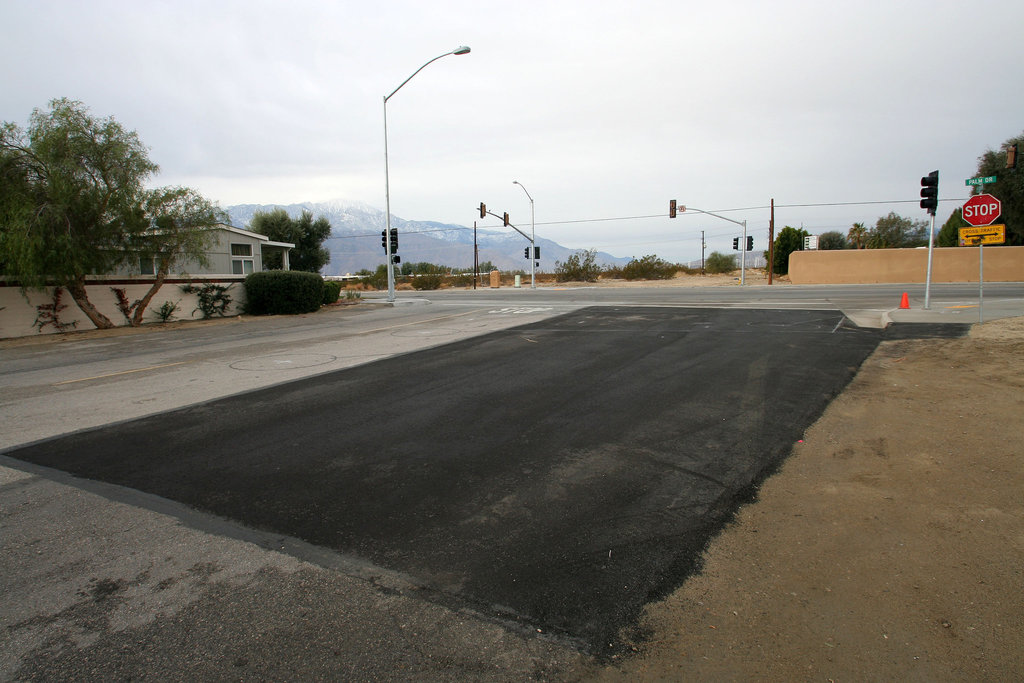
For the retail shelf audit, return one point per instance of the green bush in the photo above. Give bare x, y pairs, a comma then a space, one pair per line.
579, 267
332, 292
428, 281
283, 292
717, 262
649, 268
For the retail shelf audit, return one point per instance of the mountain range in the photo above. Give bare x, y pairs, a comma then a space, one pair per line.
355, 241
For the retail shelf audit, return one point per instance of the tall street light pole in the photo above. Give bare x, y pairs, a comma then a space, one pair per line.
533, 237
462, 50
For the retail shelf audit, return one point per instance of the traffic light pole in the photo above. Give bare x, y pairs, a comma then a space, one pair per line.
743, 252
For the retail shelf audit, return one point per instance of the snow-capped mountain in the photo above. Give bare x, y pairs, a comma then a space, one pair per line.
355, 241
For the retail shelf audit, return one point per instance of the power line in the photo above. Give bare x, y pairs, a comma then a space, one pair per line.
661, 215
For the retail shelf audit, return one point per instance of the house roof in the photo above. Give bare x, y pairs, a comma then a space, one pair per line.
253, 235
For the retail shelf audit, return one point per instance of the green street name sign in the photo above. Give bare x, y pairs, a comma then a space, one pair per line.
980, 181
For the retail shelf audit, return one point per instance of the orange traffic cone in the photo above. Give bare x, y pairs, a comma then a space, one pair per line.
905, 301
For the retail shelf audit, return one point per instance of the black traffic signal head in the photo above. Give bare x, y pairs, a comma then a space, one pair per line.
526, 252
736, 243
930, 192
483, 210
394, 240
672, 208
384, 240
750, 243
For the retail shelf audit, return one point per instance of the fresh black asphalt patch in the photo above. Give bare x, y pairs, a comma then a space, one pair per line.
559, 475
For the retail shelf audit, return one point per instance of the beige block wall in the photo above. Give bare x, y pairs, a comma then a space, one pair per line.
866, 266
18, 310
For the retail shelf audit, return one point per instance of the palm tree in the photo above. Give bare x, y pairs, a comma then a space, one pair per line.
857, 236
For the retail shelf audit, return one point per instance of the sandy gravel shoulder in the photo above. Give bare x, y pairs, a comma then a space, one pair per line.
889, 546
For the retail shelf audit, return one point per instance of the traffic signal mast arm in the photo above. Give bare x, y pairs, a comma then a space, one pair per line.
674, 207
484, 211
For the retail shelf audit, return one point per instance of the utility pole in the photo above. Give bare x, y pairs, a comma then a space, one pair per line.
476, 257
771, 244
703, 245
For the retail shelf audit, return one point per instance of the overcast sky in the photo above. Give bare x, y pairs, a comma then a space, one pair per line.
604, 111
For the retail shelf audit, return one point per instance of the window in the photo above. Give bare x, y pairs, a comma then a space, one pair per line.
147, 265
241, 266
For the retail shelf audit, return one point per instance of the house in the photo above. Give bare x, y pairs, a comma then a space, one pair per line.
234, 252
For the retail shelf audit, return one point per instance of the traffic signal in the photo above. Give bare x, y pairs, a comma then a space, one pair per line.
736, 243
672, 208
526, 252
536, 253
1011, 156
750, 243
394, 241
506, 219
384, 240
483, 210
930, 192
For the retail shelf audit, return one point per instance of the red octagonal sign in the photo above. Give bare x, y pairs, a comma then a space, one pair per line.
982, 209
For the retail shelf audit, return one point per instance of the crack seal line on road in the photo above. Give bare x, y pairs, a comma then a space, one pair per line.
122, 372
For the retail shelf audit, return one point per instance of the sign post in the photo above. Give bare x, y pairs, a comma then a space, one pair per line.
980, 211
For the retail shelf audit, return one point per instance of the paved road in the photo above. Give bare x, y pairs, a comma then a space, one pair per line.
112, 582
558, 475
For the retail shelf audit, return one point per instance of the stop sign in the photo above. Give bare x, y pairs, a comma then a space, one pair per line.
982, 209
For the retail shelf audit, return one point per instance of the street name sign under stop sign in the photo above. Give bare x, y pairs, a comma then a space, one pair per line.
982, 209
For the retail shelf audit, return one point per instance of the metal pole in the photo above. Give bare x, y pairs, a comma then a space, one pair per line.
533, 235
981, 280
476, 257
771, 244
743, 256
461, 50
703, 245
928, 278
387, 207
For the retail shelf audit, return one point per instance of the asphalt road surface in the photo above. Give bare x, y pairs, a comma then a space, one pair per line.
555, 476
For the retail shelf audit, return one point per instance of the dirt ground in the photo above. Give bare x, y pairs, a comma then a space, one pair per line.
889, 546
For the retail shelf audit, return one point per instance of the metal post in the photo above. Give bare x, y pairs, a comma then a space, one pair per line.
981, 282
461, 50
533, 236
743, 256
387, 209
928, 275
771, 244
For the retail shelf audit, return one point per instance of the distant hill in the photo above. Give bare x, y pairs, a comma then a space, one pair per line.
355, 239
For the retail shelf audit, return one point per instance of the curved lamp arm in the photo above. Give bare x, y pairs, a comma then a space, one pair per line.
461, 50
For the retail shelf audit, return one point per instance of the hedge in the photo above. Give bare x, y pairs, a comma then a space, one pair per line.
283, 292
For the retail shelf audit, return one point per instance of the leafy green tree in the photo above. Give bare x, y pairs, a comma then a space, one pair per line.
181, 219
1009, 188
717, 262
949, 235
788, 240
831, 241
579, 267
305, 233
895, 232
73, 204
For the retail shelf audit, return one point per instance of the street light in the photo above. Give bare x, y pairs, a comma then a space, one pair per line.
533, 235
461, 50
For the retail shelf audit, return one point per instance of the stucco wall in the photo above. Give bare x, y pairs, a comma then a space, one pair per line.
18, 314
865, 266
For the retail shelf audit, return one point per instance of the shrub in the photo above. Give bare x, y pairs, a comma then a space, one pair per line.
718, 262
213, 299
579, 267
332, 292
283, 292
649, 268
428, 281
